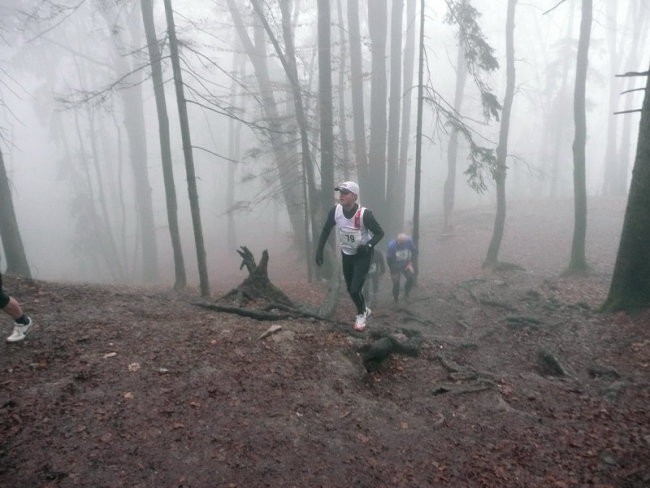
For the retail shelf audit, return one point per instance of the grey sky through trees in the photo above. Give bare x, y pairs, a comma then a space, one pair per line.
62, 120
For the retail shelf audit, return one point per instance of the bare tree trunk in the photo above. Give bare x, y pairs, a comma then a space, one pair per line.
325, 101
9, 231
418, 137
234, 149
394, 104
630, 287
375, 193
610, 162
449, 194
135, 130
409, 63
578, 263
356, 81
559, 113
288, 61
343, 127
180, 280
502, 148
187, 152
295, 202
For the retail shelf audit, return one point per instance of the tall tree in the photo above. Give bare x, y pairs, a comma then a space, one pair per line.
502, 148
449, 191
9, 231
180, 280
610, 148
256, 50
578, 262
136, 133
204, 282
343, 131
375, 193
640, 33
356, 85
325, 103
288, 60
630, 286
409, 63
418, 135
393, 190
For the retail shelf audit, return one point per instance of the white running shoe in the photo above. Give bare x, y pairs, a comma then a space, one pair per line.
20, 331
360, 323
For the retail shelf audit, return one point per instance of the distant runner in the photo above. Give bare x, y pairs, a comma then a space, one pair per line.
400, 256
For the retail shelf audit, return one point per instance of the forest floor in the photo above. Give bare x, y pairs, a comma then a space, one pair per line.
138, 387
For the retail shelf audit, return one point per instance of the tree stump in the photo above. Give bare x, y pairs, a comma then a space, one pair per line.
256, 297
257, 286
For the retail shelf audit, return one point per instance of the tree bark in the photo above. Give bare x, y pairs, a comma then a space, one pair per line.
295, 202
578, 263
409, 63
136, 133
12, 242
502, 148
187, 152
630, 286
180, 279
356, 81
418, 136
449, 193
375, 193
393, 226
325, 103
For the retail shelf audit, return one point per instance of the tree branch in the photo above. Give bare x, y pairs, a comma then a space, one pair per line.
553, 8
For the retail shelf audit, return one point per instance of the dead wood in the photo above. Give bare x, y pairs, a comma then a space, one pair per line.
270, 302
550, 365
373, 354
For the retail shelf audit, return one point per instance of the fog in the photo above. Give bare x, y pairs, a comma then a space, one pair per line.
62, 117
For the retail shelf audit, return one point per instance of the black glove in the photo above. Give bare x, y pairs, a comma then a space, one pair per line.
319, 257
363, 249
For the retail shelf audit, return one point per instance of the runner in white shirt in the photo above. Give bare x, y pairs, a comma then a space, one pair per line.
358, 233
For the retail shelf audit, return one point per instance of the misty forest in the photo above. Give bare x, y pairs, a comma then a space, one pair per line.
166, 169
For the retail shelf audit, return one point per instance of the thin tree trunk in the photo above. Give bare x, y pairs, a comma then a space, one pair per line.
180, 280
610, 163
325, 101
409, 63
375, 193
393, 190
187, 152
294, 201
449, 194
356, 82
502, 148
234, 149
136, 133
12, 242
289, 64
418, 137
343, 127
578, 263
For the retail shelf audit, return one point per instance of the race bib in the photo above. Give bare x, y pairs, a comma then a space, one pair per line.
350, 239
402, 255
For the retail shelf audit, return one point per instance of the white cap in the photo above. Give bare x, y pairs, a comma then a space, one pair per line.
350, 186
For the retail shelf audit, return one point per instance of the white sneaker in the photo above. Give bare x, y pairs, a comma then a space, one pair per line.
20, 331
360, 323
